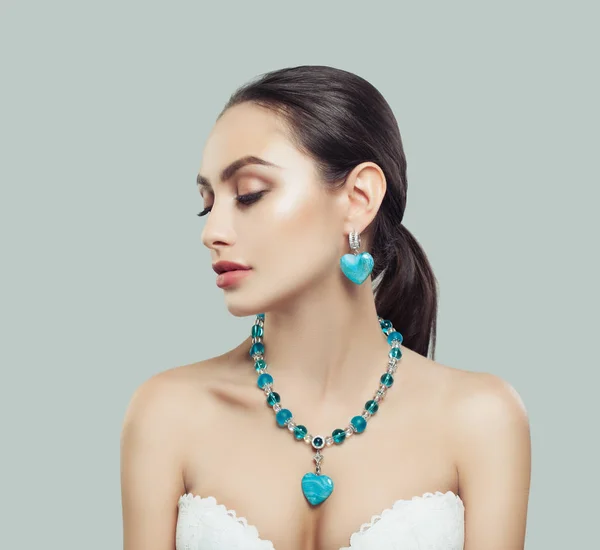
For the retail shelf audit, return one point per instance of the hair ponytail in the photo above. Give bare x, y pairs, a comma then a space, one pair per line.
406, 292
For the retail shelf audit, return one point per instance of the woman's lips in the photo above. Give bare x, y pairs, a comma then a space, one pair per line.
229, 278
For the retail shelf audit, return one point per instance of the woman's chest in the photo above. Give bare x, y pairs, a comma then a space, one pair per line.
252, 467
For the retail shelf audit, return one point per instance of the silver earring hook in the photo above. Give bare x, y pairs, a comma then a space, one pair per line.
354, 239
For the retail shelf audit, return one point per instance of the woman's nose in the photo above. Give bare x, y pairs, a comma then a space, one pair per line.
218, 229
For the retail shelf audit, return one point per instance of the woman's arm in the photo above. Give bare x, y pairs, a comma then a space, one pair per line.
493, 449
151, 466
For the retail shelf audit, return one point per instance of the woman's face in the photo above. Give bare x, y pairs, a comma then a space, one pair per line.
292, 236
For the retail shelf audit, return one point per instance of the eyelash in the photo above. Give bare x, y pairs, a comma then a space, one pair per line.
243, 199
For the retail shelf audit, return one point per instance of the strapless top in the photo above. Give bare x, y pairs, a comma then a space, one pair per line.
434, 521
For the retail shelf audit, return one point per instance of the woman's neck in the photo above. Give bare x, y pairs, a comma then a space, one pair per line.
327, 347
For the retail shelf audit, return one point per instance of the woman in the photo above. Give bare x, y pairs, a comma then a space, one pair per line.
329, 427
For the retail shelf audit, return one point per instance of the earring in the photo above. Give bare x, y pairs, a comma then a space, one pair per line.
357, 267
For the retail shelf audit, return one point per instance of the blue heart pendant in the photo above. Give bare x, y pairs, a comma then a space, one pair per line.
357, 267
316, 488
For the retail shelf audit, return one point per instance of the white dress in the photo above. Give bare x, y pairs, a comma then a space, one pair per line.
433, 521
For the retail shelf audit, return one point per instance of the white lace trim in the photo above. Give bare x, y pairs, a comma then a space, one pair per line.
374, 519
211, 502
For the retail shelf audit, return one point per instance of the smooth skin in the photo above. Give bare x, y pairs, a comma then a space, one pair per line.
204, 428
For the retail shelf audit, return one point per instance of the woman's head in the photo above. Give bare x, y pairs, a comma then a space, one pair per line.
339, 165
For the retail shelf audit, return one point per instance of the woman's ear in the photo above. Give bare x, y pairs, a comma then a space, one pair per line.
365, 188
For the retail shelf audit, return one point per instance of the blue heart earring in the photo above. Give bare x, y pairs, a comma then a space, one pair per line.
357, 267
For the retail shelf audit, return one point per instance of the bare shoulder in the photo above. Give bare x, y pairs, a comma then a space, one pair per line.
489, 436
155, 410
483, 398
478, 407
470, 393
153, 445
489, 433
164, 397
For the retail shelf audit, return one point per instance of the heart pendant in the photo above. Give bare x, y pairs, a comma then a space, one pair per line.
316, 488
357, 267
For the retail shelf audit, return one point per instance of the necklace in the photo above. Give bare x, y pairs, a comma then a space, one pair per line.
318, 487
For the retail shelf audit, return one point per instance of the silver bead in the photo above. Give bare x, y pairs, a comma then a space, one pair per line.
378, 397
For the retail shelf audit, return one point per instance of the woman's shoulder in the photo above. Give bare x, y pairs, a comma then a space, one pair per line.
465, 389
168, 394
470, 400
182, 381
481, 408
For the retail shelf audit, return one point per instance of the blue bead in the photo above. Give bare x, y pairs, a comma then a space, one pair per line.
260, 316
264, 379
359, 424
273, 398
260, 364
300, 431
395, 352
283, 416
387, 379
257, 331
338, 435
371, 406
395, 335
257, 348
385, 324
316, 488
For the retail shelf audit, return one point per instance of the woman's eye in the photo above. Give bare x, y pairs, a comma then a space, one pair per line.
243, 199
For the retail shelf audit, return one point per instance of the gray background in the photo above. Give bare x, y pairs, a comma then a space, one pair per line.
104, 111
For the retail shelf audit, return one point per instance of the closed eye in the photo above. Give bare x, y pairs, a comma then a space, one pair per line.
242, 199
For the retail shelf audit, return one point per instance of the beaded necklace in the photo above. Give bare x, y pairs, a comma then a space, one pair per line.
318, 487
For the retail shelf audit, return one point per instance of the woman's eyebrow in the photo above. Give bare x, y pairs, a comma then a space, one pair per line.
231, 169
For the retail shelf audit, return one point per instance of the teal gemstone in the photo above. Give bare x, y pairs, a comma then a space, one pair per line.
338, 436
395, 352
372, 406
359, 424
273, 398
257, 349
357, 267
283, 416
387, 379
395, 335
318, 442
257, 331
316, 488
260, 364
264, 379
260, 316
300, 431
385, 324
